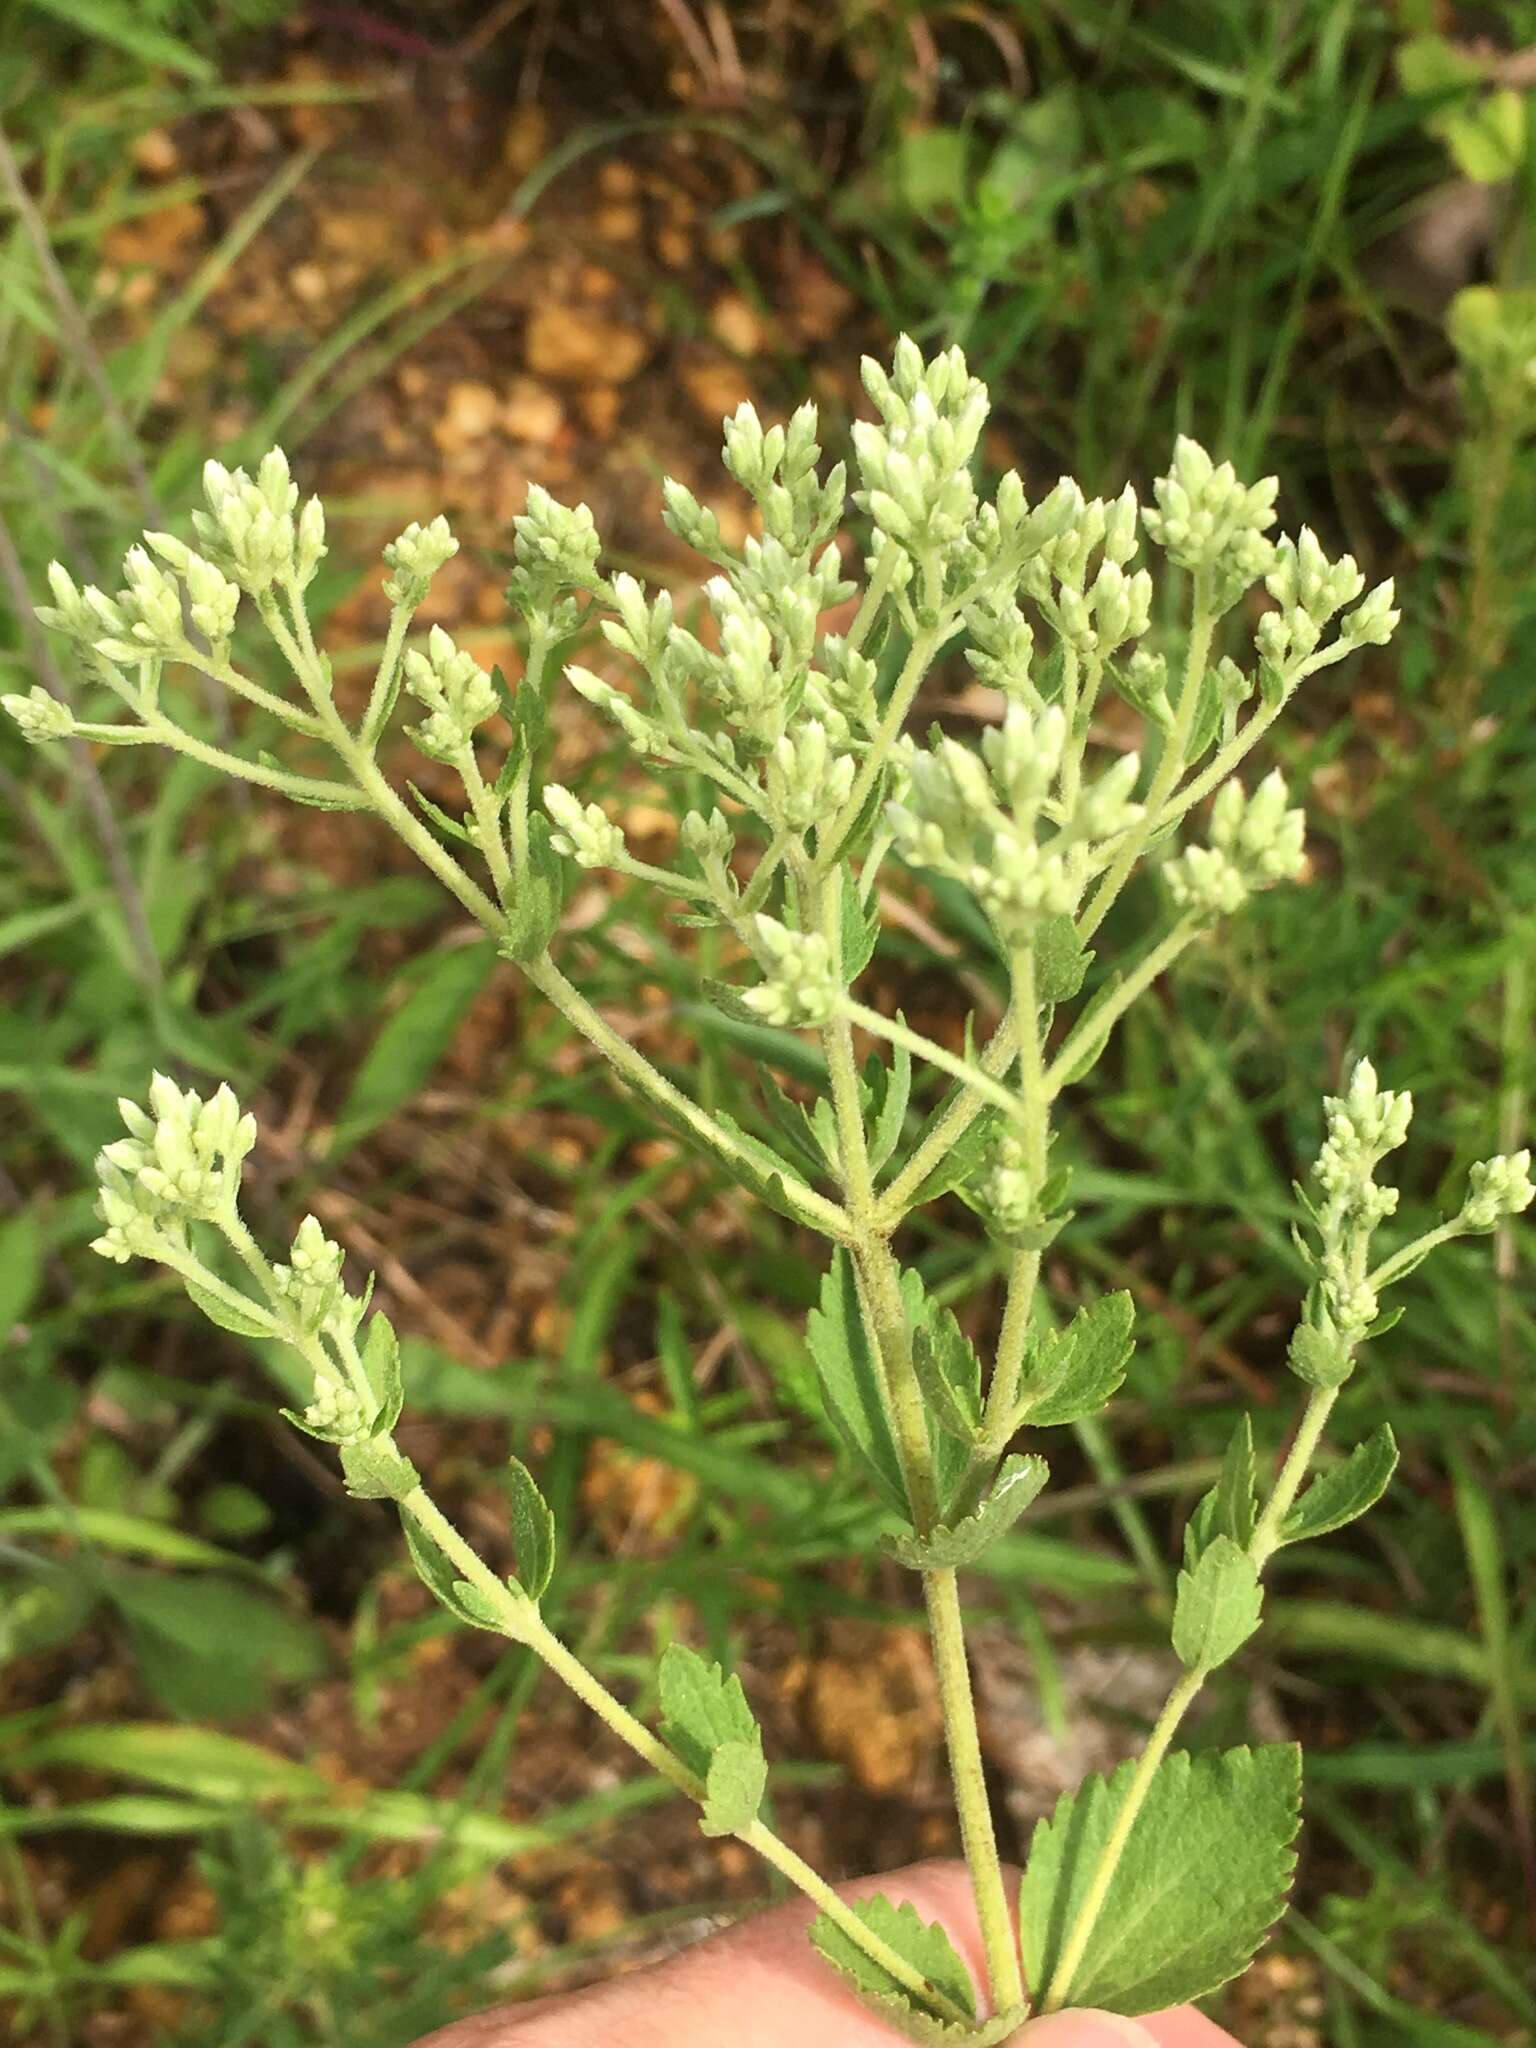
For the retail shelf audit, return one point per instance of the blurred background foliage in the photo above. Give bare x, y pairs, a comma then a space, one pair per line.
253, 1791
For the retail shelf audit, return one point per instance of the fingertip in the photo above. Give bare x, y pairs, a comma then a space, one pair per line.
1083, 2030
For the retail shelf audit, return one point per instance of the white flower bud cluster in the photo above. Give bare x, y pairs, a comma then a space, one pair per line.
744, 678
555, 551
249, 530
414, 557
1255, 842
1205, 519
1007, 1189
180, 1161
1498, 1187
840, 692
914, 462
336, 1413
311, 1281
1363, 1126
711, 842
643, 734
38, 716
1001, 649
1309, 590
1206, 883
777, 466
799, 987
583, 831
952, 821
806, 781
456, 692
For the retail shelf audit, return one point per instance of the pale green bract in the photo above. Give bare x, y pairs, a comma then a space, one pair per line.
807, 806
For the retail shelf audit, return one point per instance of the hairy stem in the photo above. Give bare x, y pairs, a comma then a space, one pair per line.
1169, 768
522, 1622
1098, 1021
1024, 1271
948, 1127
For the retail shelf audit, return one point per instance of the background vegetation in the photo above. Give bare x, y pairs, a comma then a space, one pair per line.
254, 1791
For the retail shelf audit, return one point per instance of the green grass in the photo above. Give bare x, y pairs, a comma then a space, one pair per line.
1177, 222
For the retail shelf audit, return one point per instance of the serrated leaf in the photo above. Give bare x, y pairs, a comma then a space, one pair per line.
734, 1787
860, 929
226, 1315
1319, 1356
701, 1708
922, 1943
533, 1530
533, 915
965, 1156
1061, 960
1203, 1878
850, 1379
1018, 1482
1216, 1607
1074, 1372
1230, 1508
375, 1470
894, 1092
381, 1364
1340, 1496
949, 1375
462, 1600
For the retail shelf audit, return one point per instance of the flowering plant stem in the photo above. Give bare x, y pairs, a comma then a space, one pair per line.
815, 787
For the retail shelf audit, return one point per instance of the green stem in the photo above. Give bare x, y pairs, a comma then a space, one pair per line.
917, 664
880, 1284
303, 788
1265, 1541
1024, 1272
487, 815
381, 697
523, 1623
948, 1127
1169, 768
1389, 1269
1266, 1535
814, 1209
977, 1836
1175, 1708
874, 596
962, 1070
1100, 1020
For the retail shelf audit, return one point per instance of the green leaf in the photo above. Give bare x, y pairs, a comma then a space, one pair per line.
1230, 1508
1203, 1878
1317, 1353
1216, 1607
1015, 1487
1061, 960
1340, 1496
451, 827
533, 1531
860, 929
226, 1315
381, 1364
734, 1787
127, 29
850, 1379
965, 1156
1073, 1372
891, 1088
463, 1601
208, 1647
413, 1039
375, 1470
534, 912
701, 1708
21, 1266
922, 1943
949, 1374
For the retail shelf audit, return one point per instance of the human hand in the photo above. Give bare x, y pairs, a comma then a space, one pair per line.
761, 1985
